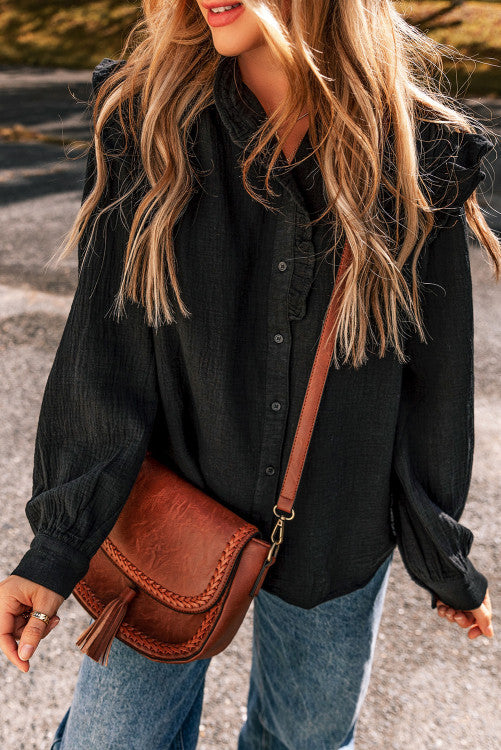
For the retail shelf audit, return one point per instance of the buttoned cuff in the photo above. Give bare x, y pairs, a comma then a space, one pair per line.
467, 592
52, 563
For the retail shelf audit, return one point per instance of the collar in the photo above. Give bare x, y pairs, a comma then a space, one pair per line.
450, 162
239, 108
242, 114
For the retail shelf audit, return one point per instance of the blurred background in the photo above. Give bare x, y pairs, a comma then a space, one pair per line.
431, 687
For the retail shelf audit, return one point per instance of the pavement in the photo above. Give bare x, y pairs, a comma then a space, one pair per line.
431, 687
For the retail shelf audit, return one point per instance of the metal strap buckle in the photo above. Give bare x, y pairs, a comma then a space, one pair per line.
277, 535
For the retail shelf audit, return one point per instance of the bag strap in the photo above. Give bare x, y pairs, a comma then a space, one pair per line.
311, 402
309, 410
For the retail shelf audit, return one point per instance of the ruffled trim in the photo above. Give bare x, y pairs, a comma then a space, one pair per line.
304, 248
242, 114
104, 69
301, 280
113, 136
450, 164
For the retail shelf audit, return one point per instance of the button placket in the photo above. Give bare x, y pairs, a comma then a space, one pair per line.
277, 361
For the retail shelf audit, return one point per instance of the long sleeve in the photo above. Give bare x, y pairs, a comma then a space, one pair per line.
434, 444
96, 416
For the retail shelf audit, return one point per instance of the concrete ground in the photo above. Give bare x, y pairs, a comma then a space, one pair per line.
431, 686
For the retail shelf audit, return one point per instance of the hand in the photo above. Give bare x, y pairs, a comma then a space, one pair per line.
17, 595
479, 618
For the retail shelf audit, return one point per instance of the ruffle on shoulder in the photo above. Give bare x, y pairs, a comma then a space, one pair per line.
450, 164
104, 69
113, 136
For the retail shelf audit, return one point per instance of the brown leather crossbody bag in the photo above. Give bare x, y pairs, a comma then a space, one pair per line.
177, 573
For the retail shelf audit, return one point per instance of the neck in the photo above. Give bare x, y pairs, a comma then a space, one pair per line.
262, 75
270, 86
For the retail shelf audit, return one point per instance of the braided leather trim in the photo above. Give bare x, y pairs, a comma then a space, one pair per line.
147, 644
179, 602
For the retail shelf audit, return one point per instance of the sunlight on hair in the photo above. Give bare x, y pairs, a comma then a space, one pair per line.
366, 76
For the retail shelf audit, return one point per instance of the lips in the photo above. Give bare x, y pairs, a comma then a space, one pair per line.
218, 4
222, 14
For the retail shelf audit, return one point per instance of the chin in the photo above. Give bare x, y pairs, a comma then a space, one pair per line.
229, 43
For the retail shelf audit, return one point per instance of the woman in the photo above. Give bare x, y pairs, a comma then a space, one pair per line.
266, 134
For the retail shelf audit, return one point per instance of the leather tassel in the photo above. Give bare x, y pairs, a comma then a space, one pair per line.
96, 640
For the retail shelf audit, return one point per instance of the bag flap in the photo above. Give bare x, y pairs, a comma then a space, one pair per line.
174, 541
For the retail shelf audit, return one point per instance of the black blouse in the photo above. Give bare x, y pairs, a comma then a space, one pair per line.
217, 396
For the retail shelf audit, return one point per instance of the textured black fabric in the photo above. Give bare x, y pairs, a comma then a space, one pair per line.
217, 396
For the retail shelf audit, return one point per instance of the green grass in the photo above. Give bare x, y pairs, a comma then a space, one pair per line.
474, 29
79, 34
66, 34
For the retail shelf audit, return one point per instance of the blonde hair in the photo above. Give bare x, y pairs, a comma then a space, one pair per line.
359, 68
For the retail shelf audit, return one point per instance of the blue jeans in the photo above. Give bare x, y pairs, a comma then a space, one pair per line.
309, 676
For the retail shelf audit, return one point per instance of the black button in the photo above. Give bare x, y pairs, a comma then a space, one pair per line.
278, 338
282, 265
276, 406
270, 470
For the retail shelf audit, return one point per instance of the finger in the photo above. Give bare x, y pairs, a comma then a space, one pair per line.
32, 634
7, 641
443, 610
474, 632
20, 623
52, 624
483, 621
461, 618
464, 619
447, 612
